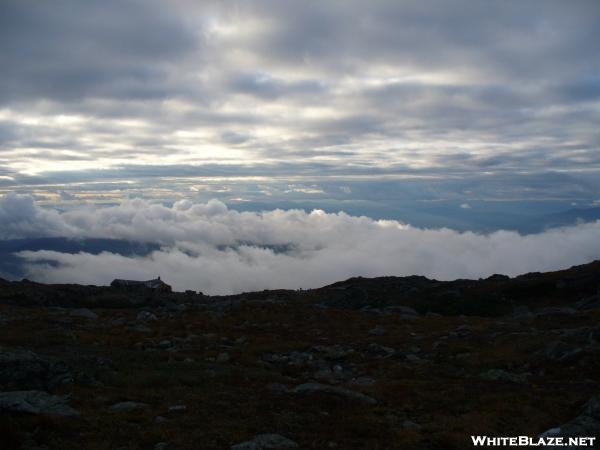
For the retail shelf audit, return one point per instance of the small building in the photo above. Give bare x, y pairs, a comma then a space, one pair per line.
154, 285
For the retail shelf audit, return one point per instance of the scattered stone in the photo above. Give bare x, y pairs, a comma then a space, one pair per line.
363, 381
128, 406
412, 358
165, 344
36, 402
85, 313
555, 311
410, 425
140, 328
503, 375
378, 331
589, 303
380, 350
404, 310
146, 316
561, 351
223, 358
177, 408
342, 392
265, 441
461, 331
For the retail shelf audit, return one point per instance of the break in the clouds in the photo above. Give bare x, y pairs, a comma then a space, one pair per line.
100, 100
209, 247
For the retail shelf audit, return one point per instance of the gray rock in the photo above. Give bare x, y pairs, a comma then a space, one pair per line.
177, 408
265, 441
404, 310
410, 425
503, 375
146, 316
334, 351
412, 358
165, 344
85, 313
363, 381
378, 331
140, 328
586, 424
589, 303
561, 351
36, 402
310, 388
128, 406
555, 311
25, 370
461, 331
223, 358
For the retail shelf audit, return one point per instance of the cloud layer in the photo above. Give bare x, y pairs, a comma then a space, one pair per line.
211, 248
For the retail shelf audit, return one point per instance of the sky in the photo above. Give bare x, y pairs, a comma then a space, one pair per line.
466, 117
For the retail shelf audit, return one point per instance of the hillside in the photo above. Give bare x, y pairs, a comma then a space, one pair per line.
391, 362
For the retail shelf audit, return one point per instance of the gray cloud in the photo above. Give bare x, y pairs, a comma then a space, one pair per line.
69, 50
285, 89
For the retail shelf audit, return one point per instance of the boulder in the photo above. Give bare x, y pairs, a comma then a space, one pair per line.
503, 375
378, 331
309, 388
146, 316
25, 370
85, 313
404, 310
265, 441
561, 351
36, 402
128, 406
585, 424
555, 311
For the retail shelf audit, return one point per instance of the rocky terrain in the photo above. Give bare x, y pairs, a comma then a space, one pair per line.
384, 363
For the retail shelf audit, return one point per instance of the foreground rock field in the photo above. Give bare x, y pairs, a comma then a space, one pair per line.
387, 363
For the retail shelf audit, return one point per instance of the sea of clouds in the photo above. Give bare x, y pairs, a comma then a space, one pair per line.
208, 247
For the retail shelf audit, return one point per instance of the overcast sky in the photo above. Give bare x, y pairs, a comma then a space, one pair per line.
472, 115
101, 99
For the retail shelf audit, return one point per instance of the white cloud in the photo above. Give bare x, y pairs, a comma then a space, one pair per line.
210, 248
